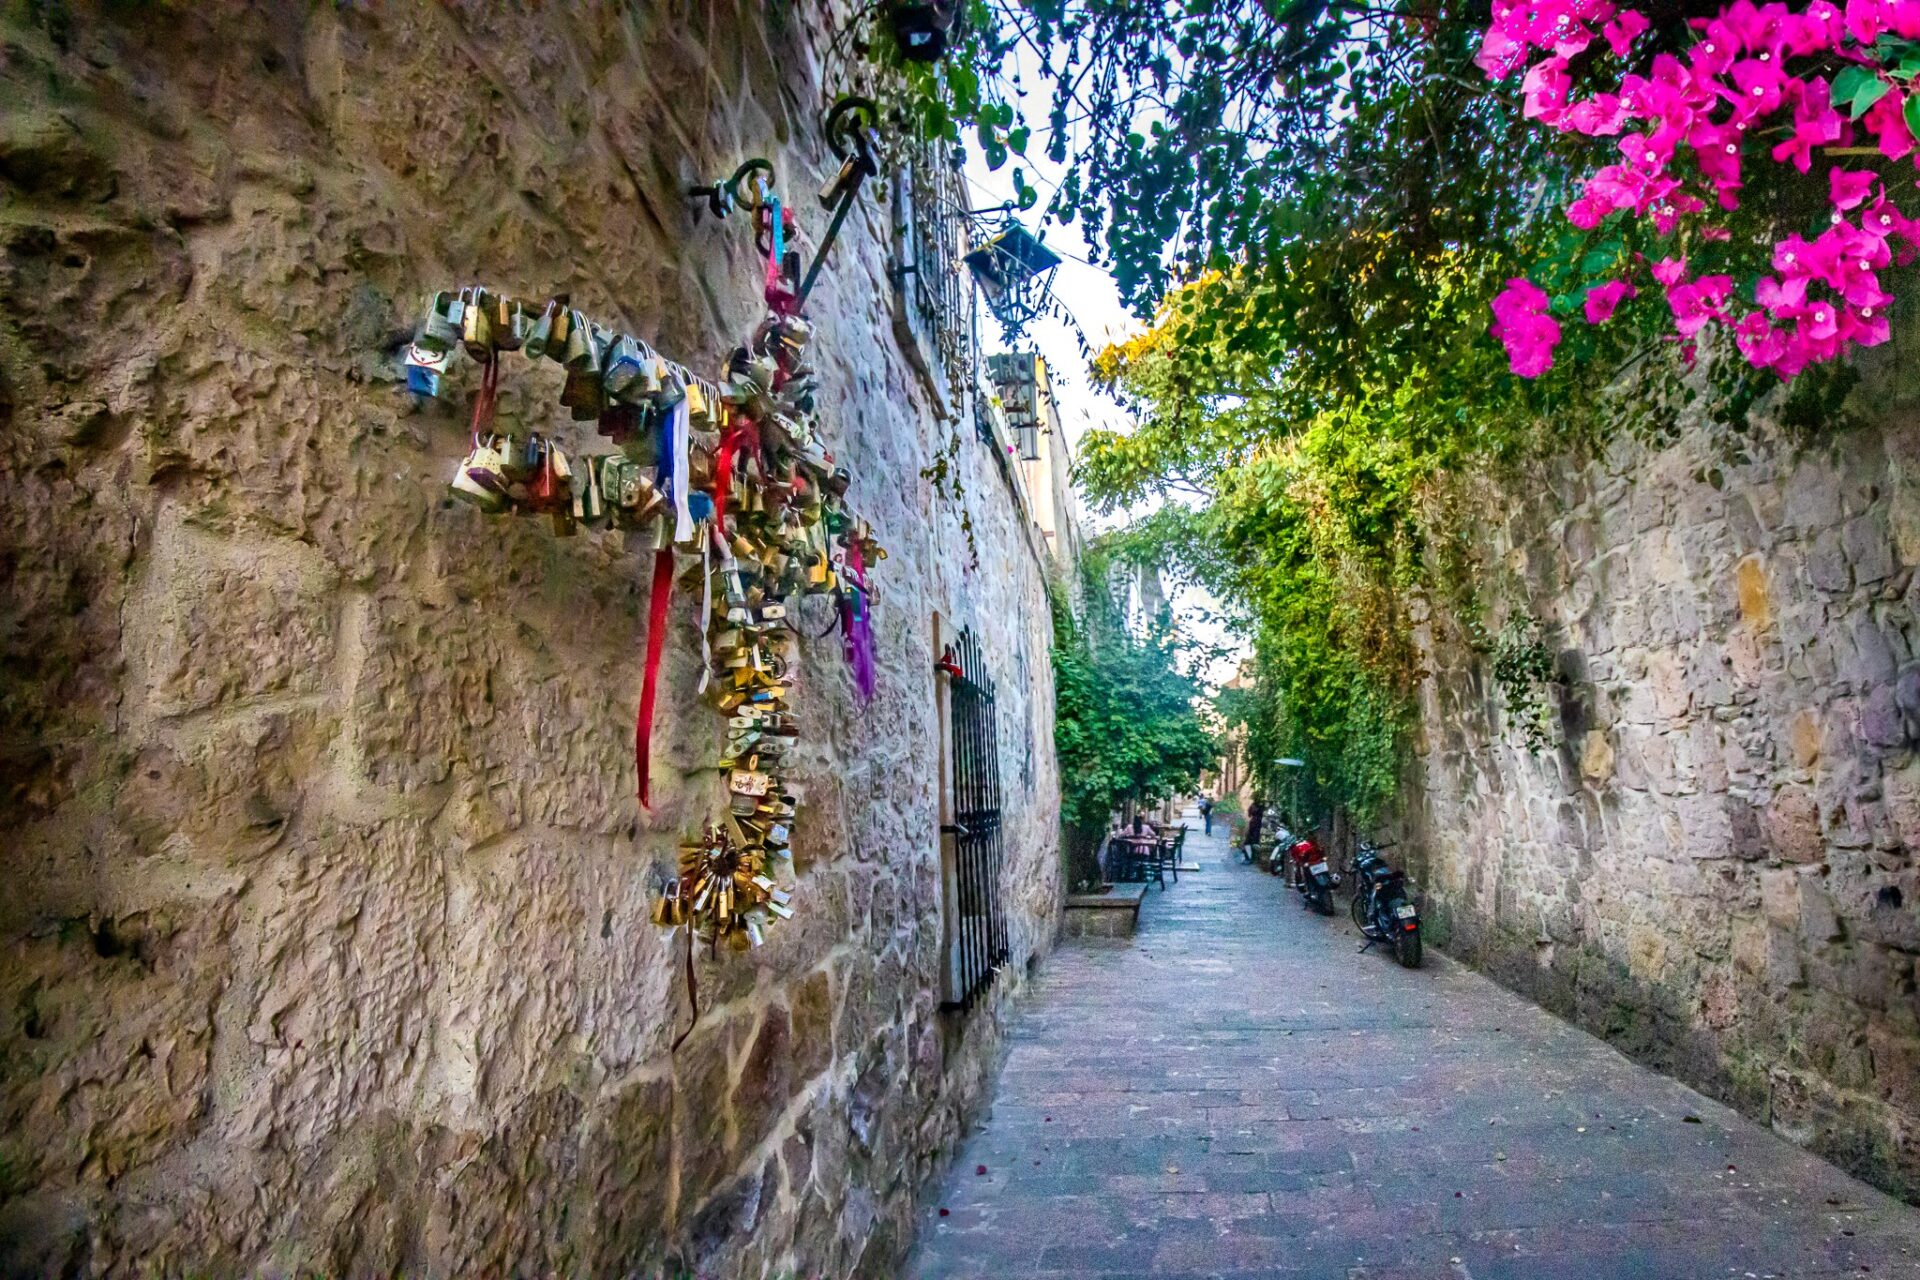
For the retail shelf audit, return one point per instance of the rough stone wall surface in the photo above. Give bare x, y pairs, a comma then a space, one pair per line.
325, 937
1716, 867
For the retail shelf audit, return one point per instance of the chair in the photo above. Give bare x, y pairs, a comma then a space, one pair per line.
1153, 860
1123, 863
1167, 851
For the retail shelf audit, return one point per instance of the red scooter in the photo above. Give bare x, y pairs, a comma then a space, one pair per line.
1307, 871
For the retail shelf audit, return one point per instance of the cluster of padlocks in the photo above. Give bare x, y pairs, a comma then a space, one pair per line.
729, 470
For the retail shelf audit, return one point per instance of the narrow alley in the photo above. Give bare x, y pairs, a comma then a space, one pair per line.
1237, 1092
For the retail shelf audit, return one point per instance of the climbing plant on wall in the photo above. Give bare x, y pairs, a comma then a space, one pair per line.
1126, 720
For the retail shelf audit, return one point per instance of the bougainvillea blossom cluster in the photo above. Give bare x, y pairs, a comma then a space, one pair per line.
1747, 90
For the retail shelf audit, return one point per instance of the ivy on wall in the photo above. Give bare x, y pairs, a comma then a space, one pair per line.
1126, 722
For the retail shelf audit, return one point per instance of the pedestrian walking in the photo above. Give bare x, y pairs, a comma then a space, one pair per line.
1206, 812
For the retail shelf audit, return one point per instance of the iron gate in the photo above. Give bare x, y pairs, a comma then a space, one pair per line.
979, 936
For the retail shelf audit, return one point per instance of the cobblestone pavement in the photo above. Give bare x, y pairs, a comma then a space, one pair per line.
1236, 1092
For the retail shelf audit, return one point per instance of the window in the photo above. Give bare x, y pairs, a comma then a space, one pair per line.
976, 928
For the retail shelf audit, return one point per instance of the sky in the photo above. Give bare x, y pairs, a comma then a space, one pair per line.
1089, 294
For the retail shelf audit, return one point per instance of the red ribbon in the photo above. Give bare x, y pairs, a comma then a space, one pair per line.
489, 394
656, 639
739, 435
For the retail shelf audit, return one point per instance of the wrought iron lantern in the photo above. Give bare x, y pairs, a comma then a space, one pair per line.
1016, 378
924, 28
1015, 273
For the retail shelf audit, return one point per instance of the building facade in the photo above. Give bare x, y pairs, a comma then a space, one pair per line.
328, 945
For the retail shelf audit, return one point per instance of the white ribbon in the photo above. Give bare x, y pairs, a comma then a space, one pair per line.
679, 428
708, 534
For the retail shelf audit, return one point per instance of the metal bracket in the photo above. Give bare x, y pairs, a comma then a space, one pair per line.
849, 129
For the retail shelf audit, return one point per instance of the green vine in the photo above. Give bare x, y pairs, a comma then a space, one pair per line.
943, 473
1523, 668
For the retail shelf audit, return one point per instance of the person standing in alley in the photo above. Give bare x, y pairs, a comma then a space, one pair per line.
1256, 811
1206, 812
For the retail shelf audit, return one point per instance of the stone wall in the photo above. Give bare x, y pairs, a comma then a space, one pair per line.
326, 940
1716, 868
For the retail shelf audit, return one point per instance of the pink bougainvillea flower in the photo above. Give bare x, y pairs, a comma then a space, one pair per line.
1867, 19
1762, 344
1522, 325
1696, 302
1624, 30
1848, 188
1588, 212
1546, 87
1500, 54
1815, 124
1716, 148
1668, 271
1821, 320
1615, 187
1795, 256
1767, 30
1603, 300
1781, 297
1759, 87
1647, 154
1740, 76
1869, 326
1672, 205
1715, 51
1882, 219
1600, 116
1886, 120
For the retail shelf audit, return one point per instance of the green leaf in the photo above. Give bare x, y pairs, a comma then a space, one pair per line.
1017, 139
1912, 113
1849, 81
1858, 88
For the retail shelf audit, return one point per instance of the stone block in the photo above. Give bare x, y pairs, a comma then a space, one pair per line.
222, 621
1868, 549
1872, 661
1812, 496
1819, 922
1901, 795
1906, 694
630, 1145
766, 1082
811, 1002
1751, 592
342, 978
1903, 521
109, 1039
1793, 826
1596, 757
704, 1136
1881, 723
1827, 566
1805, 735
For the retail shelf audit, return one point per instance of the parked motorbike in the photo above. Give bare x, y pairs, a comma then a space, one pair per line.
1382, 908
1272, 857
1308, 872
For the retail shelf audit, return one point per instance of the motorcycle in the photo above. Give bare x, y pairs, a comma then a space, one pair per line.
1381, 906
1308, 872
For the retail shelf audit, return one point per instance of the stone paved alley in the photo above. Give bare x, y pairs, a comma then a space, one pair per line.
1236, 1092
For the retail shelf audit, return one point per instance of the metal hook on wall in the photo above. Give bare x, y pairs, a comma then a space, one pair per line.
850, 132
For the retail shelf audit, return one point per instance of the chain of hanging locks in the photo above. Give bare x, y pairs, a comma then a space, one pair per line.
731, 470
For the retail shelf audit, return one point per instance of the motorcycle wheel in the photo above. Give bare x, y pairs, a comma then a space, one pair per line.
1359, 911
1406, 949
1322, 899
